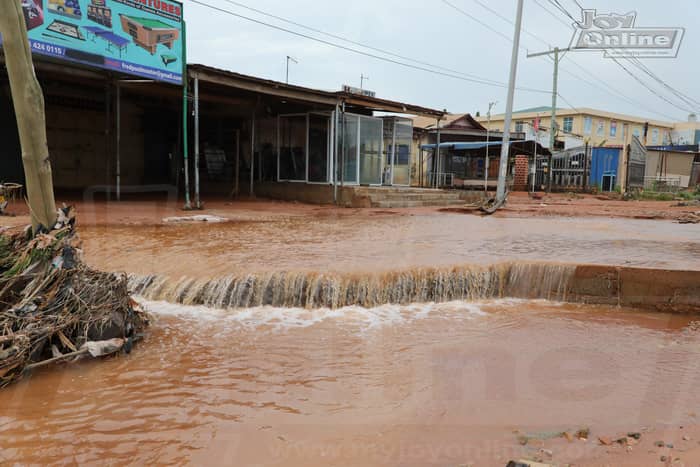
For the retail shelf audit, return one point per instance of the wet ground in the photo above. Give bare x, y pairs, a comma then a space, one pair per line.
422, 385
386, 242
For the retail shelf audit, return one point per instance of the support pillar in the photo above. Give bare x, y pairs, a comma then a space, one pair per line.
252, 155
119, 137
197, 202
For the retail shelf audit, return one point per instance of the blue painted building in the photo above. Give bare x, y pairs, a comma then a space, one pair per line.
604, 168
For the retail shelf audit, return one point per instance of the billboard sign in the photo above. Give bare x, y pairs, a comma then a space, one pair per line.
136, 37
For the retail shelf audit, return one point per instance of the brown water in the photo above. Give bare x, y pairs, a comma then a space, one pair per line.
414, 385
386, 243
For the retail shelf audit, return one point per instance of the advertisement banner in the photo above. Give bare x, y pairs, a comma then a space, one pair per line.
136, 37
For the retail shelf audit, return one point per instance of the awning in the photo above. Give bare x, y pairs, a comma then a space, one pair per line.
466, 146
517, 145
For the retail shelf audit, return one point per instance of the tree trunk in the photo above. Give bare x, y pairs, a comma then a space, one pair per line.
29, 109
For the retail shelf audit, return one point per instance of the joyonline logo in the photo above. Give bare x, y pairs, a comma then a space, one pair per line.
617, 36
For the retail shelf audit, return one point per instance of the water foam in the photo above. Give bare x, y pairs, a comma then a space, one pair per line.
334, 291
288, 318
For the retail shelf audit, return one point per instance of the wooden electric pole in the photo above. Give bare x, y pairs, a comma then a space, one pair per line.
28, 101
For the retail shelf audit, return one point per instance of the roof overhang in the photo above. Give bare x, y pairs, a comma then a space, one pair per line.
303, 94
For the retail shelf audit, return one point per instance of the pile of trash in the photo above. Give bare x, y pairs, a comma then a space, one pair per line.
55, 308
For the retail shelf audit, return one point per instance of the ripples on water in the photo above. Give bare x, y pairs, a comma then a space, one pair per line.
354, 386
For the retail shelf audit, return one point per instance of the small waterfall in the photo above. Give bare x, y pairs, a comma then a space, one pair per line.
319, 290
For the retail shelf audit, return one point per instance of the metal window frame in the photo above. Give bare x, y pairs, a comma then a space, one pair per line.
279, 147
381, 146
397, 122
329, 153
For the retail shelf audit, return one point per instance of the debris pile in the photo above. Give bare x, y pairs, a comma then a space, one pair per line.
53, 307
689, 218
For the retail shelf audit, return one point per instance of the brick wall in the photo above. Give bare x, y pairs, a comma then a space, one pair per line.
522, 166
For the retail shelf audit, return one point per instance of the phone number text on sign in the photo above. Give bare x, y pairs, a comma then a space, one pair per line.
48, 49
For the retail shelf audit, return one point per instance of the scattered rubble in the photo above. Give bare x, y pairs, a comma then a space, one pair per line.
583, 434
199, 218
689, 218
688, 203
526, 463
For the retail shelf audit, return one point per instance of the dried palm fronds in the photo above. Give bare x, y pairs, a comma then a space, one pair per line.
52, 304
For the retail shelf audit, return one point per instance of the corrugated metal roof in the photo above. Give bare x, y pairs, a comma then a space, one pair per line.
276, 88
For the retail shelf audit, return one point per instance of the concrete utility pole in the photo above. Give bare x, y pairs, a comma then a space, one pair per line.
28, 101
555, 93
505, 147
488, 140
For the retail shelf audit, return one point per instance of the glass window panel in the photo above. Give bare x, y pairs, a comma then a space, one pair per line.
371, 133
293, 147
348, 147
402, 153
568, 124
318, 148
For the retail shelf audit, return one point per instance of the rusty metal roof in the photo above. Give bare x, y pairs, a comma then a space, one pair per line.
304, 94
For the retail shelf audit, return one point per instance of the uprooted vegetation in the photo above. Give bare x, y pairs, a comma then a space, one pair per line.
53, 306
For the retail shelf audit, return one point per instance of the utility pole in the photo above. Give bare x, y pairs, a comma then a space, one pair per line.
288, 60
505, 146
488, 140
555, 93
28, 100
363, 78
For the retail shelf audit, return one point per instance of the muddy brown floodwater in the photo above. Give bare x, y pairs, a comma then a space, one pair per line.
417, 385
386, 242
420, 385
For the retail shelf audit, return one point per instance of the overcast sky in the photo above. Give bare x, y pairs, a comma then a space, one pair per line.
431, 31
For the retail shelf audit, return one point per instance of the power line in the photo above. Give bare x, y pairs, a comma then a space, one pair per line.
553, 15
455, 7
510, 21
605, 88
636, 78
568, 103
350, 41
578, 4
566, 12
460, 76
561, 8
679, 94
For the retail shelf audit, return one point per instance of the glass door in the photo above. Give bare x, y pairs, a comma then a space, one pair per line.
319, 134
403, 139
292, 147
370, 144
350, 132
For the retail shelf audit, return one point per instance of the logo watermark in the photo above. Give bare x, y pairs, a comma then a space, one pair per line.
617, 36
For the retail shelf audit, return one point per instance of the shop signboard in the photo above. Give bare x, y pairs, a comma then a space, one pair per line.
136, 37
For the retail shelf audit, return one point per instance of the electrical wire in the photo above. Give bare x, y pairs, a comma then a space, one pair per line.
679, 94
635, 77
483, 81
602, 87
350, 41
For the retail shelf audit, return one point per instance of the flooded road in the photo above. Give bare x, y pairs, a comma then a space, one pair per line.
419, 385
383, 242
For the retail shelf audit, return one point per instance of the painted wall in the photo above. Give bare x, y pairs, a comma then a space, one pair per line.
595, 129
675, 165
603, 160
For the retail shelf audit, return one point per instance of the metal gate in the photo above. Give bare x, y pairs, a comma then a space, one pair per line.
569, 170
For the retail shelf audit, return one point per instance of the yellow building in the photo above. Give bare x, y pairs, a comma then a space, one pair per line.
596, 127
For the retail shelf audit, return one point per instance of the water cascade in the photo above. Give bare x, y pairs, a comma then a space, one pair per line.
321, 290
